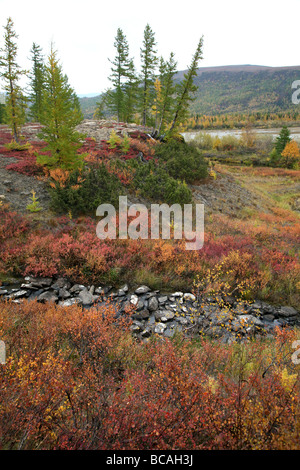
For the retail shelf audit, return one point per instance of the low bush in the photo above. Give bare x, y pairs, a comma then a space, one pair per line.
77, 380
182, 161
153, 182
81, 192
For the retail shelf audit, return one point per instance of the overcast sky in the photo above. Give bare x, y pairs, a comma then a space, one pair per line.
260, 32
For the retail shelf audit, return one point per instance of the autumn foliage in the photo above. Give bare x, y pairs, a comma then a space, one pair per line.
76, 379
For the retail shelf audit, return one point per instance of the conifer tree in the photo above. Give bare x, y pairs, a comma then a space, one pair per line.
11, 72
283, 139
130, 93
167, 71
36, 82
186, 89
148, 66
60, 116
120, 73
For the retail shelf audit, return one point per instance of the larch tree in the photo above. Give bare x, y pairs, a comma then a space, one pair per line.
149, 62
167, 70
60, 116
186, 89
120, 73
11, 73
36, 82
130, 93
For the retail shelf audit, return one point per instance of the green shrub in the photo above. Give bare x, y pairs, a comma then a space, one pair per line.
156, 184
85, 190
13, 145
182, 161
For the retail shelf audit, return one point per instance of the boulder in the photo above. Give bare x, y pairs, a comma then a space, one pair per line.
86, 297
287, 312
160, 328
142, 290
48, 296
153, 304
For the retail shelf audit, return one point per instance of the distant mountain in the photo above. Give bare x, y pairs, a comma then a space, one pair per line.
88, 95
244, 88
88, 105
235, 88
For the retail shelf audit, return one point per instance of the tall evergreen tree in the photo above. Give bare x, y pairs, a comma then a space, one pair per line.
60, 116
283, 139
36, 82
186, 89
130, 93
11, 73
167, 70
120, 73
149, 62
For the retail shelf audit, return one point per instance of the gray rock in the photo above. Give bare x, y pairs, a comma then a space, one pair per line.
61, 283
76, 288
189, 296
17, 295
86, 297
167, 315
288, 312
177, 294
3, 292
142, 315
169, 332
28, 286
268, 317
99, 291
69, 302
48, 296
163, 299
182, 320
63, 293
134, 300
140, 305
35, 294
159, 328
135, 328
250, 319
121, 293
153, 304
142, 290
151, 320
40, 281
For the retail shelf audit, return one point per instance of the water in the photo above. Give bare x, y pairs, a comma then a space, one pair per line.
274, 132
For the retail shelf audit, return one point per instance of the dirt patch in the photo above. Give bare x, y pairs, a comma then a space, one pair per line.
16, 188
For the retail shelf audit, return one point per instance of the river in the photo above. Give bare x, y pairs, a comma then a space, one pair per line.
274, 132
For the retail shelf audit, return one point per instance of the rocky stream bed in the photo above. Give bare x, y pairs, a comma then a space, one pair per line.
163, 314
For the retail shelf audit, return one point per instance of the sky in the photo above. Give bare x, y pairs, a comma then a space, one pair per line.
258, 32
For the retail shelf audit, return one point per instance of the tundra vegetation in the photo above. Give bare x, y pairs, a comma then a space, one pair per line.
77, 378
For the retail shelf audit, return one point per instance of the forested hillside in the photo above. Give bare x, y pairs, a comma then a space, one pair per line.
234, 89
